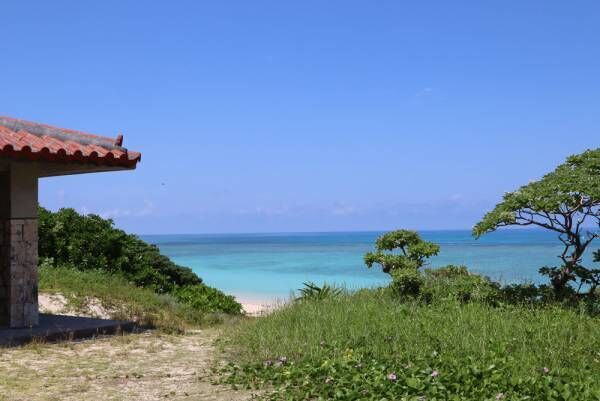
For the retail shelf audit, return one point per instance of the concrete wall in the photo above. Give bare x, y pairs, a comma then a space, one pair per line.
18, 244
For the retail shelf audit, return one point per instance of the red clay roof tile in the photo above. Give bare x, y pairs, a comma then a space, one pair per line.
24, 139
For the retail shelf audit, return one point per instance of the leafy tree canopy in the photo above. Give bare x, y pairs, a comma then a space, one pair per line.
566, 201
401, 249
92, 243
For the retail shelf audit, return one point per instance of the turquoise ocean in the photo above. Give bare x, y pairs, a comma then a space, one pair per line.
269, 266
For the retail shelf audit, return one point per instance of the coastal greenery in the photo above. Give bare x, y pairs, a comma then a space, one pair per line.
122, 299
431, 334
314, 292
565, 201
401, 250
90, 242
205, 298
460, 338
70, 241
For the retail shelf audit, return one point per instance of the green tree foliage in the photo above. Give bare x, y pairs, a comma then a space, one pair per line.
91, 242
406, 282
401, 249
457, 283
566, 201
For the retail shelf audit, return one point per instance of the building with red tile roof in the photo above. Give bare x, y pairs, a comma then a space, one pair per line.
29, 151
31, 141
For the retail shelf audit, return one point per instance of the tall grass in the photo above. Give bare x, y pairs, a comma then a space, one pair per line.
123, 299
521, 347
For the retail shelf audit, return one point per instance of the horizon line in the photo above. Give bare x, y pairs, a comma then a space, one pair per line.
334, 232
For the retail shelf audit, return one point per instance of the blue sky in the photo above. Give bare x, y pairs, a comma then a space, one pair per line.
257, 116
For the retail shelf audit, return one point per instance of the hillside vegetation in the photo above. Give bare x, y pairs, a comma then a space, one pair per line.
122, 300
458, 337
85, 255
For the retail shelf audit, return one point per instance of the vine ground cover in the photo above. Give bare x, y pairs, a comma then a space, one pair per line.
369, 345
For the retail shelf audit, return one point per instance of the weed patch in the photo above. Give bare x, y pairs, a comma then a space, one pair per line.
369, 345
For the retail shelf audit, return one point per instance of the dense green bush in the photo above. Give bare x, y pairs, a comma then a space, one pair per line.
445, 283
91, 242
457, 283
448, 272
209, 299
526, 293
406, 282
86, 243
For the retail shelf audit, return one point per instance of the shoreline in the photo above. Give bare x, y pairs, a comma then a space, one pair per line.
256, 307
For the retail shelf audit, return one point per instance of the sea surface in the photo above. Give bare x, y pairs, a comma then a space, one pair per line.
270, 266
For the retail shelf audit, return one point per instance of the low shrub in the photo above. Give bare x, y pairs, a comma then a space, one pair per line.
207, 299
406, 282
448, 272
592, 303
456, 283
523, 294
442, 284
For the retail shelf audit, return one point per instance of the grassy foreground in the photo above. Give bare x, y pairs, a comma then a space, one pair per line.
370, 345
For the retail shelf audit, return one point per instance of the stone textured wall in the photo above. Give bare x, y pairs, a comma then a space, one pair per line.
18, 272
4, 274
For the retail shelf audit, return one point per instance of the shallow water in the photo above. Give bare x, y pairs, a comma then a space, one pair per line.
267, 266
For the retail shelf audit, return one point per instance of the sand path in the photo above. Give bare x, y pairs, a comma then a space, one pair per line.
148, 366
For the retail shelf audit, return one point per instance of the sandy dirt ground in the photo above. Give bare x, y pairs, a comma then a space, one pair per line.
58, 304
147, 366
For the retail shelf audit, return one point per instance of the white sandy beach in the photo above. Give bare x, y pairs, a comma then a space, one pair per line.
256, 307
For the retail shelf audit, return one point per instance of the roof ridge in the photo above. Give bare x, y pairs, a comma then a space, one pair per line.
64, 134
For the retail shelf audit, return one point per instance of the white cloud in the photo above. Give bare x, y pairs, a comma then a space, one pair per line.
424, 92
111, 214
343, 209
422, 95
146, 210
456, 197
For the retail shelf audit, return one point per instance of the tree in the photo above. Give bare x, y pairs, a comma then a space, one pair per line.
565, 201
413, 251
